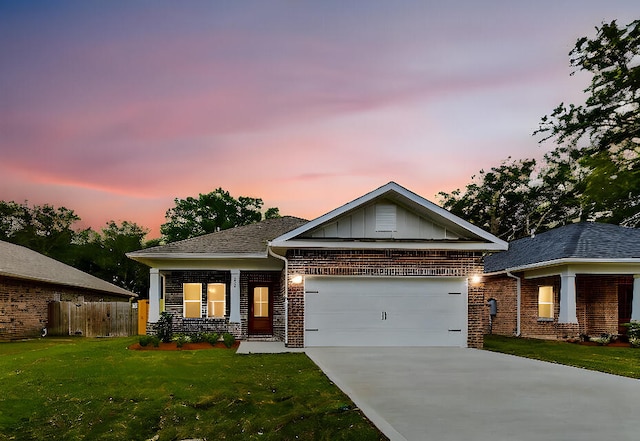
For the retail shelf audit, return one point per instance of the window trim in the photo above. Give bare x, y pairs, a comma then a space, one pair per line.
185, 301
552, 303
223, 301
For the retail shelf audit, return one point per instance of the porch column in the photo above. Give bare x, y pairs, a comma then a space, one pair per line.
155, 286
567, 299
234, 316
635, 303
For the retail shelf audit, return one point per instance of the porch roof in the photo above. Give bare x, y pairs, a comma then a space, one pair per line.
580, 241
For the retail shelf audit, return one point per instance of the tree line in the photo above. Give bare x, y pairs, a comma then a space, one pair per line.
52, 231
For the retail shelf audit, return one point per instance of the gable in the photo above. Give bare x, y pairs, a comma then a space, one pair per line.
390, 217
382, 219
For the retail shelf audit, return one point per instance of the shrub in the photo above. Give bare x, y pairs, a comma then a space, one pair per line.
633, 332
145, 340
164, 327
212, 338
603, 340
181, 339
228, 339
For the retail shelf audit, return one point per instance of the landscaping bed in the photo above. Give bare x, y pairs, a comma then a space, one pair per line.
173, 346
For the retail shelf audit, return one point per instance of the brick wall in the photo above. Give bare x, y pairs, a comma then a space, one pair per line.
596, 306
174, 301
503, 290
24, 304
383, 263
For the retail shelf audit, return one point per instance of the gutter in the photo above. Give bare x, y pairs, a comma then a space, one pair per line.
518, 301
286, 292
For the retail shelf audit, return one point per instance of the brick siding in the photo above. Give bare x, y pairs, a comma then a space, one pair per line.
174, 301
596, 306
24, 304
384, 263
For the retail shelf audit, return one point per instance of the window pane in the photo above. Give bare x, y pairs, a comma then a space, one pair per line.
192, 309
192, 291
216, 291
545, 310
261, 302
545, 302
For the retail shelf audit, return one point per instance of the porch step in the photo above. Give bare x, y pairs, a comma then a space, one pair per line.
268, 338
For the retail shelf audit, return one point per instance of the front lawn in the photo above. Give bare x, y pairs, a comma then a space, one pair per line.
613, 360
80, 388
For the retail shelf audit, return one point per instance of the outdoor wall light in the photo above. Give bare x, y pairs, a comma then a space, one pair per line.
475, 279
296, 279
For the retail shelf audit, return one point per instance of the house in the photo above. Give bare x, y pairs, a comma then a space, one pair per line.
575, 280
389, 268
29, 281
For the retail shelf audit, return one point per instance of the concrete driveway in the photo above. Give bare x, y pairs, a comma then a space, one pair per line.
456, 394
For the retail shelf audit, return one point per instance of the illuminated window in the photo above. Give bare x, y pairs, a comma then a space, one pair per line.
216, 299
261, 301
192, 300
545, 302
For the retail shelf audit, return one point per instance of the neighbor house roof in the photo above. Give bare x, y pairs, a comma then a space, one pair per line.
248, 240
576, 242
22, 263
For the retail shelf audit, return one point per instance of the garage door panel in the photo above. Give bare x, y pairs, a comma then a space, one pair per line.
369, 311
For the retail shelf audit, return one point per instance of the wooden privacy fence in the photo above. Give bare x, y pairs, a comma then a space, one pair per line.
93, 319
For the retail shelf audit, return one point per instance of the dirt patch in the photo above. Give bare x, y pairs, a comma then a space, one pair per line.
185, 347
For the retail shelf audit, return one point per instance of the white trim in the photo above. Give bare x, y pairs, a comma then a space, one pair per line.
285, 241
564, 261
196, 256
385, 245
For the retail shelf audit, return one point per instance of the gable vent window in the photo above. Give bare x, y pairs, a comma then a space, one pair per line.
385, 217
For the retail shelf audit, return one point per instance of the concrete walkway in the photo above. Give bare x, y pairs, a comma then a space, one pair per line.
264, 347
453, 394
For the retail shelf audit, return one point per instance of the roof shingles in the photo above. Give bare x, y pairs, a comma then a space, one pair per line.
585, 240
22, 263
247, 239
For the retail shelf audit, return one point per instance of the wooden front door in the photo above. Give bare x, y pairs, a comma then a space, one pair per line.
260, 310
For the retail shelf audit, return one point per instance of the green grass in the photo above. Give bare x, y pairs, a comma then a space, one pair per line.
93, 389
612, 360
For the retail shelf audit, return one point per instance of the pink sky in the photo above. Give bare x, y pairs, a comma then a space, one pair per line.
113, 109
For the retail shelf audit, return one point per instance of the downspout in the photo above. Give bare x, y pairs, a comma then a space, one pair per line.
518, 299
286, 292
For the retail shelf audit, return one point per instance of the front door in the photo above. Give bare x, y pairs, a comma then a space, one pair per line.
260, 310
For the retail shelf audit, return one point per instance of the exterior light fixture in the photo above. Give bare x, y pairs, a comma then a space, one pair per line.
475, 279
296, 279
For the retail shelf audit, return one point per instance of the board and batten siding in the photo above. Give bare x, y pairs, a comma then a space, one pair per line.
365, 223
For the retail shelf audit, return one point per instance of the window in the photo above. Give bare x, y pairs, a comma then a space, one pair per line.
545, 302
385, 217
192, 300
216, 299
261, 301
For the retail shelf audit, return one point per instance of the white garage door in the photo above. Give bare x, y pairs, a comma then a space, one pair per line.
385, 311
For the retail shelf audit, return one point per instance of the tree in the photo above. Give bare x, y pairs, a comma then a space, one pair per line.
520, 197
105, 255
42, 228
610, 115
208, 213
603, 135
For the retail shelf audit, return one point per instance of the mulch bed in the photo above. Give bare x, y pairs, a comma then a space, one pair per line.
185, 347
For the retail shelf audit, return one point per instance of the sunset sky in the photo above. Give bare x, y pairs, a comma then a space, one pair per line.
115, 108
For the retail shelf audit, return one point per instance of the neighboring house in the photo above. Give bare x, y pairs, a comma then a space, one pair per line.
389, 268
29, 281
573, 280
